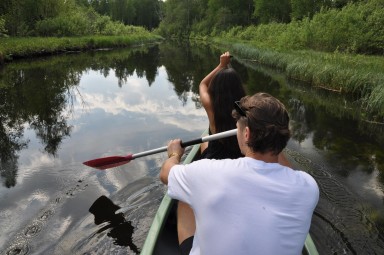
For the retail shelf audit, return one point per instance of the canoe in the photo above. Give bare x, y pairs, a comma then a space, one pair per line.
162, 235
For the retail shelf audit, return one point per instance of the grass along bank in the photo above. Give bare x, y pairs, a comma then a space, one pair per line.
20, 47
334, 50
360, 76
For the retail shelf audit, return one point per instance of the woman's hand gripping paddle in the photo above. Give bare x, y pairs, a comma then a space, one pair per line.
113, 161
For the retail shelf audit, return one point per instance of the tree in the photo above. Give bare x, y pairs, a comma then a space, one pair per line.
307, 8
2, 27
144, 13
21, 16
101, 6
147, 13
303, 8
267, 11
176, 18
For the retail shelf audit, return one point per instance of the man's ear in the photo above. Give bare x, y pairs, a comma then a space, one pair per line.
246, 134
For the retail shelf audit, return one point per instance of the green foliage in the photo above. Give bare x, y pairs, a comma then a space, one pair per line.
15, 47
72, 25
3, 31
75, 17
359, 76
22, 15
356, 28
203, 17
272, 11
146, 13
223, 14
302, 9
84, 22
307, 8
352, 26
177, 21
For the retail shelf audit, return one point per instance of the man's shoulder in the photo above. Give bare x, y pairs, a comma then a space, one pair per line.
306, 176
215, 163
308, 182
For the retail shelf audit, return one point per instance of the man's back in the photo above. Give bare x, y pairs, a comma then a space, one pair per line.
246, 206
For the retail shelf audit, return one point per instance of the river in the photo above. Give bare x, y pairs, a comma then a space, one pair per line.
57, 112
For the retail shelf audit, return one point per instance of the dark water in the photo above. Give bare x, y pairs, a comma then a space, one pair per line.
60, 111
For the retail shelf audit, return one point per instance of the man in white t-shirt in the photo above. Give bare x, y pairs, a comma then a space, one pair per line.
251, 205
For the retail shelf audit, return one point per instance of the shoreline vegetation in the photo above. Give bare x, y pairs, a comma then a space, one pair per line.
337, 46
24, 47
340, 50
360, 76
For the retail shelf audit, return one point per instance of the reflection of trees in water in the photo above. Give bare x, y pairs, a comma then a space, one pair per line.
187, 65
331, 119
9, 169
332, 134
179, 63
299, 125
145, 63
10, 143
42, 95
51, 132
11, 135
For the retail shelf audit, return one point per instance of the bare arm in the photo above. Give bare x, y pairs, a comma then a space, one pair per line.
205, 83
175, 151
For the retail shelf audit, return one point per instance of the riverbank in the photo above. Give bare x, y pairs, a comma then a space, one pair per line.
359, 76
22, 47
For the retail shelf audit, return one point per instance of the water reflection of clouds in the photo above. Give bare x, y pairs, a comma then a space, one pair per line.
159, 100
128, 119
367, 185
58, 228
39, 159
16, 212
32, 165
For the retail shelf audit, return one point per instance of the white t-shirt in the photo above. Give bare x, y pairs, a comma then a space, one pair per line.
245, 206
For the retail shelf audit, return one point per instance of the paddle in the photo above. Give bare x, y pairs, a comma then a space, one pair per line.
113, 161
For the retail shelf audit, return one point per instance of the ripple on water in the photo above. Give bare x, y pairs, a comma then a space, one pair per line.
22, 242
46, 214
341, 222
18, 248
118, 224
313, 168
33, 229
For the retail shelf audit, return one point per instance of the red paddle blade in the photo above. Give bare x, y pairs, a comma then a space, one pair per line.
108, 162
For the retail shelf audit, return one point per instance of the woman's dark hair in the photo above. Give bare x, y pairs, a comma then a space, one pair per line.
226, 87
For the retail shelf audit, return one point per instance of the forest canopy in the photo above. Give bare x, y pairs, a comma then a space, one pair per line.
328, 25
354, 26
76, 17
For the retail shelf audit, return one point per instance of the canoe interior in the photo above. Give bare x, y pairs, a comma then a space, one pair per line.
162, 235
167, 243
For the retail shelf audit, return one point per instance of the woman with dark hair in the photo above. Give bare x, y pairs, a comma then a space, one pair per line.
218, 91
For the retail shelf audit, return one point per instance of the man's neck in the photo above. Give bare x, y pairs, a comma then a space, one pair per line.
268, 157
